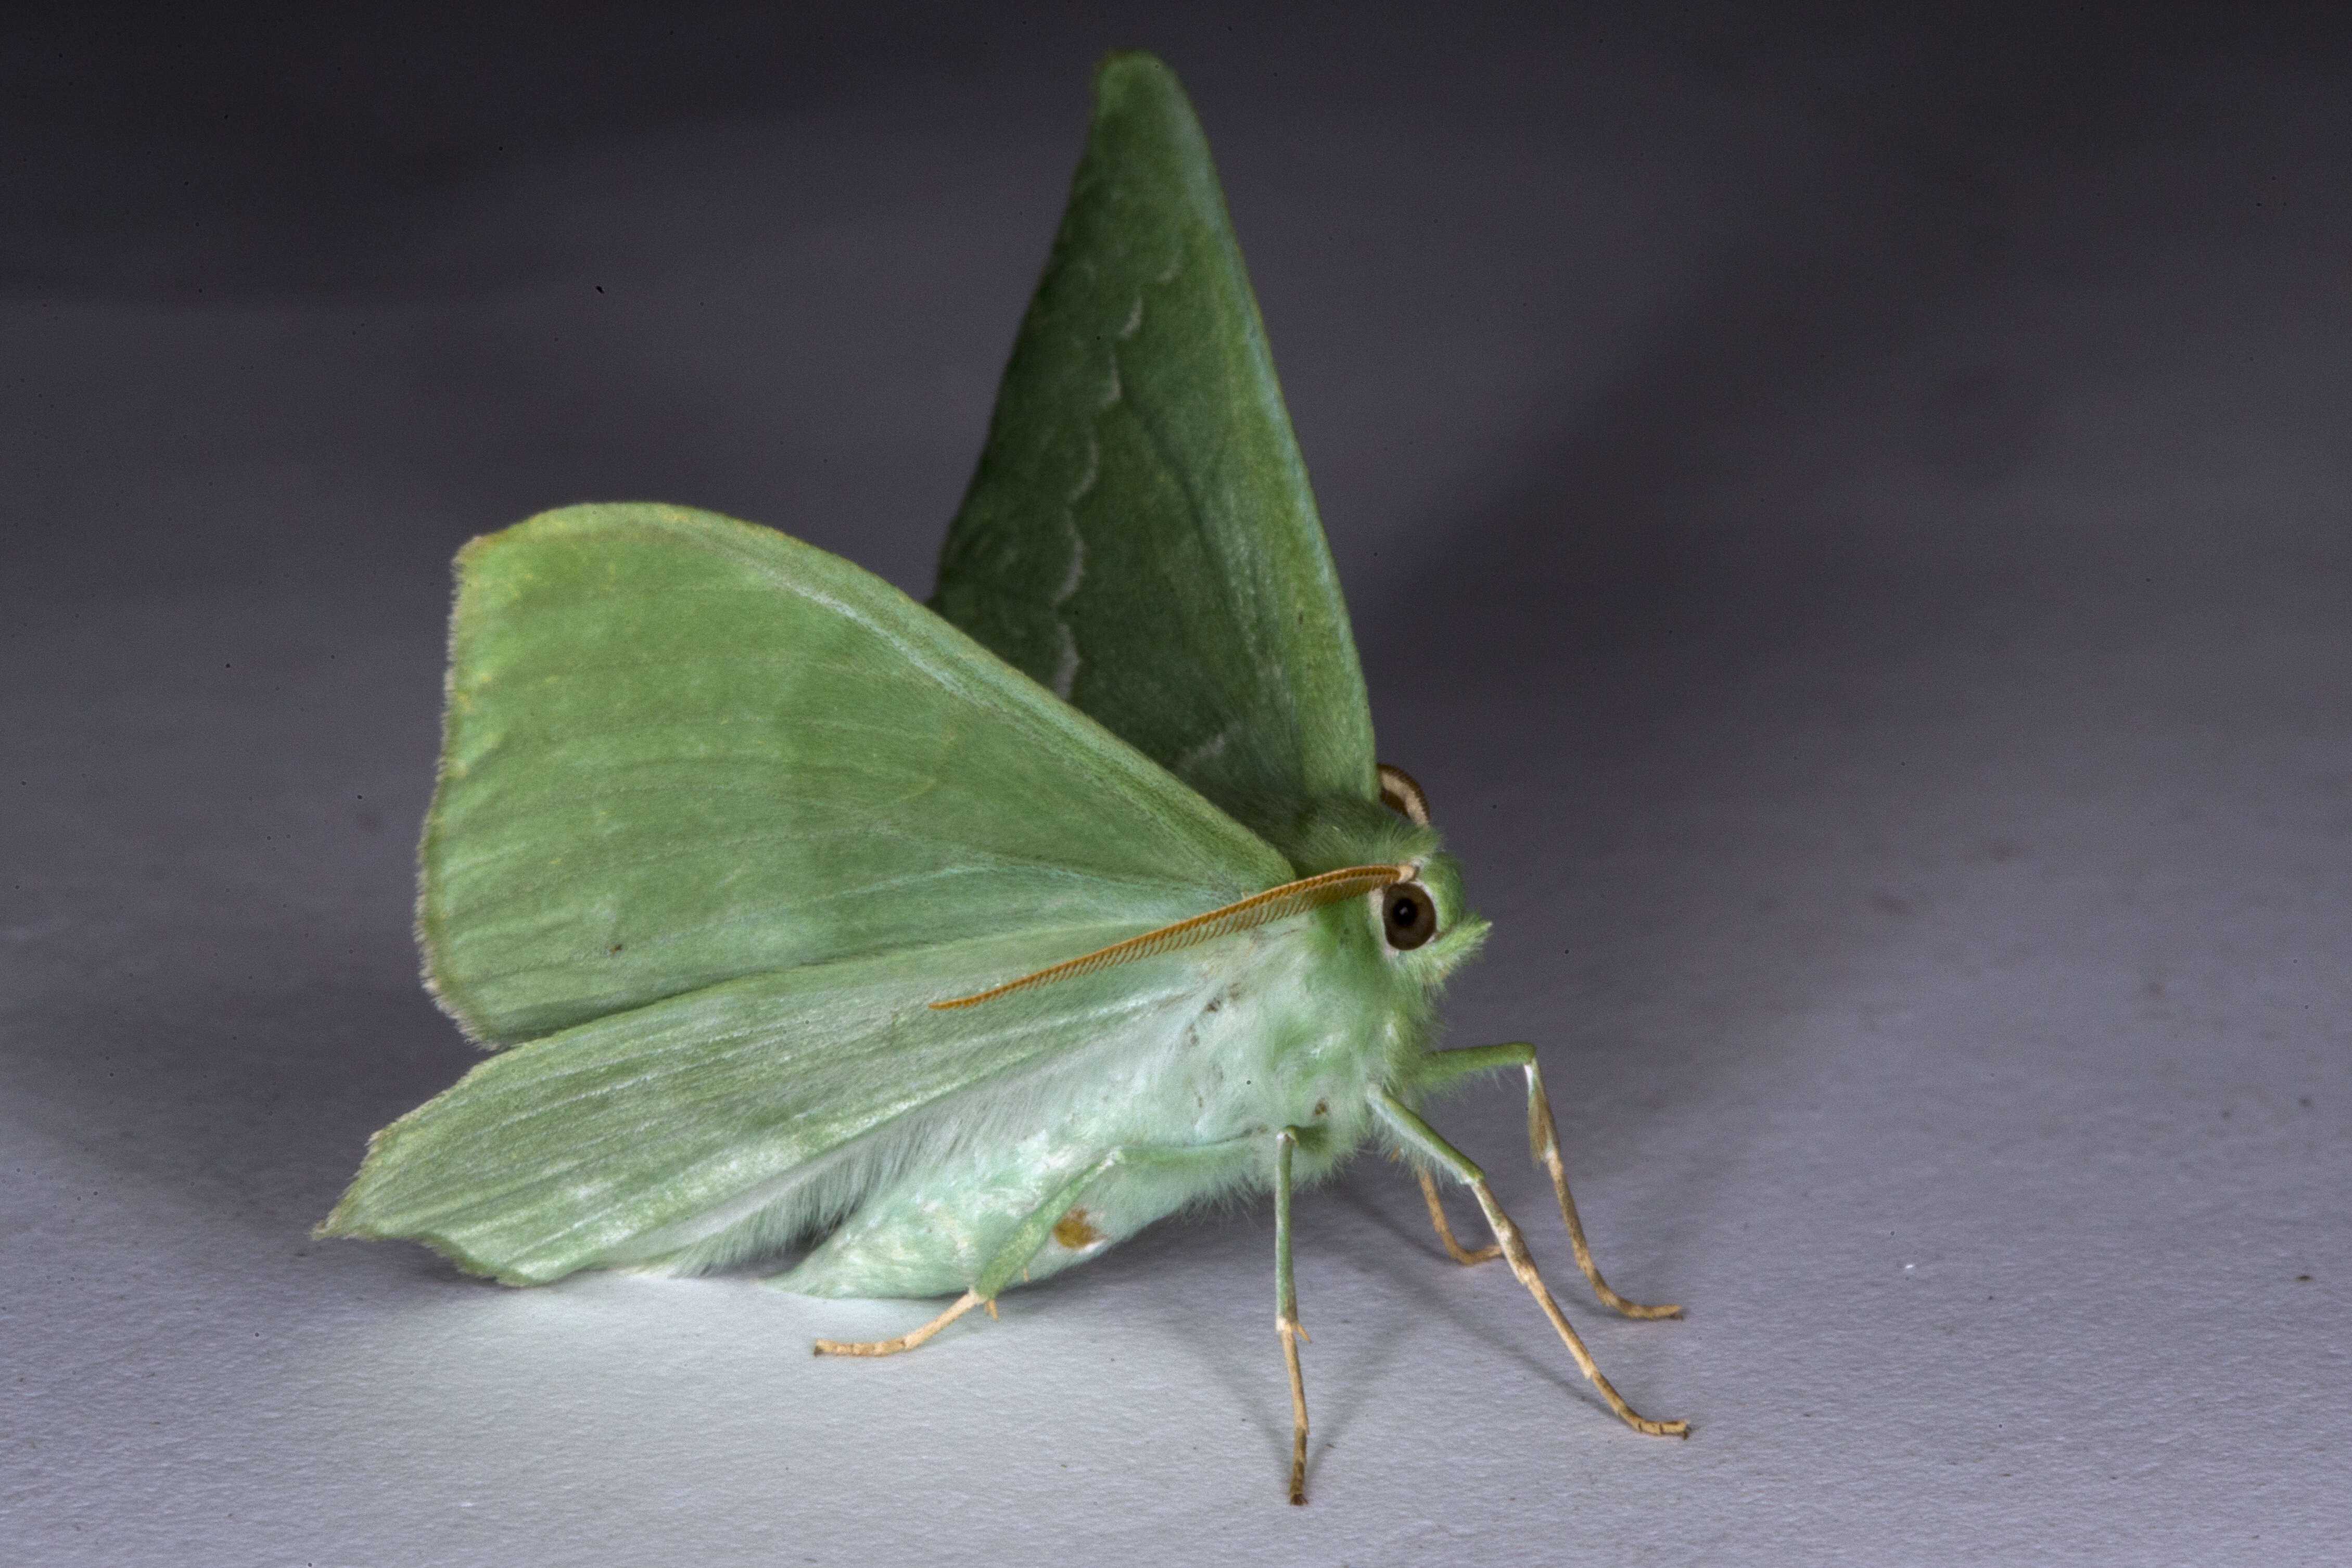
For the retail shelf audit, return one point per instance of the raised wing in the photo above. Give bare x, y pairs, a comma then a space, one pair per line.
681, 750
720, 1124
1140, 535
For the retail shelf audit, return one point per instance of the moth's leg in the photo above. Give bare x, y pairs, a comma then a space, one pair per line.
1543, 1138
964, 1303
1014, 1255
1031, 1235
1416, 1136
1453, 1248
1285, 1311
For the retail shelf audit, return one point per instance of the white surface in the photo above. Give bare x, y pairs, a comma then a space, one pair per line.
1860, 567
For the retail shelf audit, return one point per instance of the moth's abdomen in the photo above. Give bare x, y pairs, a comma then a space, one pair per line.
1283, 1033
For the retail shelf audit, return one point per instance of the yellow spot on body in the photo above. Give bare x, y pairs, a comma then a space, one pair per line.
1075, 1231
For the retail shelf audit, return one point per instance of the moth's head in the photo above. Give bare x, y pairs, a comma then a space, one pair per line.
1426, 925
1421, 923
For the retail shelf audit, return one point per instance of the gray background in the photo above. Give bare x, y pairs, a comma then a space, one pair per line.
1846, 517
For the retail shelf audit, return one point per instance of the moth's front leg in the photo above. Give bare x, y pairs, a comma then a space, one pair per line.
1543, 1140
1417, 1135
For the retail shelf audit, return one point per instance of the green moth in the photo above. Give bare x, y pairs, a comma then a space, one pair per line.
965, 940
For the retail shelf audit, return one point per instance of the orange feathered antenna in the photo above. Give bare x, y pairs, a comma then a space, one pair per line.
1274, 904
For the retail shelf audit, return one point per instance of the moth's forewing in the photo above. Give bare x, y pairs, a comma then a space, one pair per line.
682, 749
1140, 535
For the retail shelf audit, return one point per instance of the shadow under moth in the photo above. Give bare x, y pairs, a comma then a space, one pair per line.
962, 941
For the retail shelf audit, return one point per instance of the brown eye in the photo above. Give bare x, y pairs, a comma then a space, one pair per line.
1409, 914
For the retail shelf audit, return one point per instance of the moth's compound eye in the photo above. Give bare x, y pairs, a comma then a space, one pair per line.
1409, 913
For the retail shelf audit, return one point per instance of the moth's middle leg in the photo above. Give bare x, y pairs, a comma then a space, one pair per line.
1285, 1311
